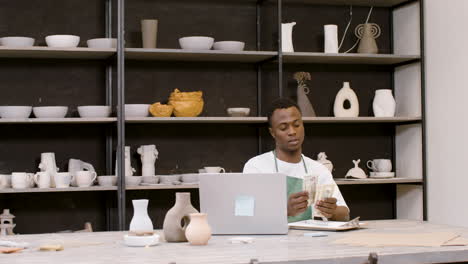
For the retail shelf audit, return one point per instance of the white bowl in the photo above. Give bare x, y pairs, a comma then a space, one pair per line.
107, 180
93, 111
50, 111
136, 110
238, 111
15, 111
132, 180
141, 241
62, 41
196, 43
17, 42
102, 43
150, 179
229, 45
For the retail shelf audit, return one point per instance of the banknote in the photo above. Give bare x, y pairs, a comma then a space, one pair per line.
309, 185
323, 192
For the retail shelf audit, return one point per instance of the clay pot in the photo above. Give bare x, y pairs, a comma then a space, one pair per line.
161, 110
186, 104
198, 231
177, 218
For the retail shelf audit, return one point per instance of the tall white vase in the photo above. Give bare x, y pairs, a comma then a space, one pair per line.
384, 104
331, 38
149, 155
286, 36
346, 94
141, 221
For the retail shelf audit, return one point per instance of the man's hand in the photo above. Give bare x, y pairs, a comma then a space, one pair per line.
297, 203
327, 207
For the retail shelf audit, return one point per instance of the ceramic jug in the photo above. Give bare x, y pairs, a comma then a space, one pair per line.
48, 165
346, 94
367, 33
286, 37
75, 165
141, 221
198, 231
384, 104
177, 218
149, 154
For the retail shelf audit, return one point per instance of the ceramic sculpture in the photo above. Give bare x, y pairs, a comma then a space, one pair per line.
322, 158
356, 172
6, 223
141, 223
302, 91
286, 37
367, 33
75, 165
198, 232
161, 110
48, 165
149, 154
186, 104
331, 38
177, 218
384, 104
346, 94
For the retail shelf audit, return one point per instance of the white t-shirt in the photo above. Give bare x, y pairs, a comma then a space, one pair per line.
265, 163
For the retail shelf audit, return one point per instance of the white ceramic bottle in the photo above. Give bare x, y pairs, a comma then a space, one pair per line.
346, 94
198, 232
141, 221
384, 104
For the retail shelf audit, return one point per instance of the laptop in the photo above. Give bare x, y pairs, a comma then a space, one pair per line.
238, 203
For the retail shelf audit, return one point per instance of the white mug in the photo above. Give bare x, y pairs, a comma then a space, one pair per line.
214, 169
380, 165
85, 178
63, 179
42, 179
5, 181
21, 180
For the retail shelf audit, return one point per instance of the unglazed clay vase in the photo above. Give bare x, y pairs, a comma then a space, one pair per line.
322, 158
286, 37
149, 32
141, 221
367, 33
177, 218
303, 101
149, 155
198, 231
346, 94
384, 104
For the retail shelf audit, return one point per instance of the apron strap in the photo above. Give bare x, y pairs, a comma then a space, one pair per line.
302, 158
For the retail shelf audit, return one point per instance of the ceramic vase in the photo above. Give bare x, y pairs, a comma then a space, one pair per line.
346, 94
367, 33
322, 158
129, 170
384, 104
149, 155
286, 37
198, 231
177, 218
331, 38
141, 221
149, 31
48, 165
303, 101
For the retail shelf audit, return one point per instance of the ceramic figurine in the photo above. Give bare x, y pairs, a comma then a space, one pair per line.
331, 38
302, 91
75, 165
346, 94
356, 172
149, 155
367, 33
384, 104
174, 230
198, 232
48, 165
286, 37
6, 223
141, 221
322, 158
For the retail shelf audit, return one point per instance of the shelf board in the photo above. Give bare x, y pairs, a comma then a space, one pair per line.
365, 119
342, 181
348, 58
377, 3
163, 187
69, 120
70, 189
227, 120
55, 53
204, 55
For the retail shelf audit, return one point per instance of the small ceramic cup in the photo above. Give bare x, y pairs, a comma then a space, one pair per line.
107, 181
380, 165
5, 181
215, 170
21, 180
42, 179
85, 178
63, 179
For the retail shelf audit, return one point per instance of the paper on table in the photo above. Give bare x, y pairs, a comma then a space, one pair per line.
244, 205
325, 225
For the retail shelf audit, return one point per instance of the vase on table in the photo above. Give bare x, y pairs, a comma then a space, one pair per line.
141, 222
178, 218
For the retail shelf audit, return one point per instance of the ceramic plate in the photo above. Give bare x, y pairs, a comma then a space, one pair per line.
141, 241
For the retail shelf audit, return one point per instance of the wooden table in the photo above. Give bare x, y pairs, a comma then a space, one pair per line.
293, 248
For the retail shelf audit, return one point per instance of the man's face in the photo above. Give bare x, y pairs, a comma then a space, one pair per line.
287, 129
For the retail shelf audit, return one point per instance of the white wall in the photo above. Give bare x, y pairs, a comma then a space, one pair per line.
446, 40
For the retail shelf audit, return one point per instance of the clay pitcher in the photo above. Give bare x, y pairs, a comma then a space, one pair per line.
367, 33
177, 218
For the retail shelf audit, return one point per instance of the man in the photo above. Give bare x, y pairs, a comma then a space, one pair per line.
287, 129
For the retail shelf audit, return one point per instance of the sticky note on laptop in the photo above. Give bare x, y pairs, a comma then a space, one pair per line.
244, 205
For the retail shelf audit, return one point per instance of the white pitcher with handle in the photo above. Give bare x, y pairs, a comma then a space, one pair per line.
75, 165
48, 165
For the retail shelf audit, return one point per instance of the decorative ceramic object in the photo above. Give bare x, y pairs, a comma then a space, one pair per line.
48, 164
346, 94
367, 33
331, 38
198, 231
5, 181
380, 165
63, 179
75, 165
356, 172
196, 43
42, 179
6, 223
85, 178
177, 218
322, 158
22, 180
229, 45
186, 104
141, 221
149, 154
149, 32
384, 104
129, 170
161, 110
302, 91
286, 37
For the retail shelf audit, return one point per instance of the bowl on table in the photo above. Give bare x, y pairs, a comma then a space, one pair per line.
196, 43
136, 110
94, 111
229, 45
102, 43
238, 111
15, 111
17, 42
62, 41
50, 111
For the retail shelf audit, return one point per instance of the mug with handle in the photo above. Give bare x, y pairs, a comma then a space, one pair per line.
85, 178
63, 179
42, 179
380, 165
21, 180
215, 170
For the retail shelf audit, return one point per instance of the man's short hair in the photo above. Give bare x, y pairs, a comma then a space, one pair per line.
280, 103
